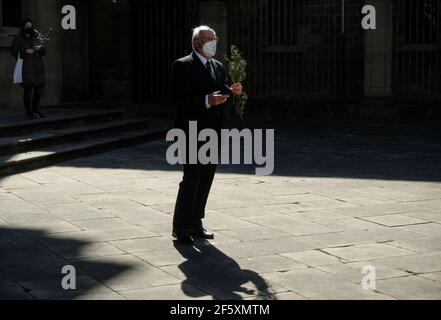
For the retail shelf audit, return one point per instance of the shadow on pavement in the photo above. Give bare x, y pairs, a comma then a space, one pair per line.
375, 152
210, 270
30, 268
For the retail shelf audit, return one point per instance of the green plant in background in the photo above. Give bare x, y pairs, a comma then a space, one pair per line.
237, 70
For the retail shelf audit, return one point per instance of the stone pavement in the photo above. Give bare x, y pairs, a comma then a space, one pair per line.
340, 199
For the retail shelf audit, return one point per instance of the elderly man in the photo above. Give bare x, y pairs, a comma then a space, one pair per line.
200, 91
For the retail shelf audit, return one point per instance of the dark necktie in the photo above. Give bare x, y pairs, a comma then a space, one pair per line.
209, 66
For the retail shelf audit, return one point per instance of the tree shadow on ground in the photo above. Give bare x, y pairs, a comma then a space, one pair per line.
31, 267
215, 274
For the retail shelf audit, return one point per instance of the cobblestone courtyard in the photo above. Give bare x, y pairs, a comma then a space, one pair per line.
340, 199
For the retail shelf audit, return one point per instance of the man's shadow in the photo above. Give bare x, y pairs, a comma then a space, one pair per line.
213, 272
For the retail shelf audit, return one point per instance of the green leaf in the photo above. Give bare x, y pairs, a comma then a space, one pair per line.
237, 67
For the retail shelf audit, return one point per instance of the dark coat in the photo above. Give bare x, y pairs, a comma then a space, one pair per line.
33, 66
191, 82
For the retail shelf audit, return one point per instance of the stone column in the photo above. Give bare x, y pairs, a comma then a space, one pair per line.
48, 13
378, 54
7, 63
215, 14
1, 18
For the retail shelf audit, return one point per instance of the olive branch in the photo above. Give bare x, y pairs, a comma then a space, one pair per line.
237, 67
43, 37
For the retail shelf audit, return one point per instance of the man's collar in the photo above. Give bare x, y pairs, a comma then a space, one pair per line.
202, 58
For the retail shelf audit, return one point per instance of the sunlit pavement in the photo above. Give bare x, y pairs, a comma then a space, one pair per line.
340, 202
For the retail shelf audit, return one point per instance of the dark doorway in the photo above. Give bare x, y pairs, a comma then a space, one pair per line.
12, 13
161, 33
76, 73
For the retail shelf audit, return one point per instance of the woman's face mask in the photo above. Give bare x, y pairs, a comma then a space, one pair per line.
210, 48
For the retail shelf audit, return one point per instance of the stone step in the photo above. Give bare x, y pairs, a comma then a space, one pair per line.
50, 137
43, 157
10, 129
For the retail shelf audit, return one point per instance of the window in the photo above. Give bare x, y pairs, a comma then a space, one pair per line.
282, 22
12, 13
421, 21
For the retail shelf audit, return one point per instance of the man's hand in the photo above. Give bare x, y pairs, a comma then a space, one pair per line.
216, 98
237, 89
30, 51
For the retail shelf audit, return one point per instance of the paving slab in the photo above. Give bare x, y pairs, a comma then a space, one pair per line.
315, 284
125, 272
431, 215
90, 250
270, 263
12, 291
290, 225
290, 296
339, 239
383, 209
86, 287
415, 263
313, 258
411, 288
254, 233
435, 276
366, 252
269, 246
353, 271
102, 224
172, 292
77, 211
395, 220
419, 245
144, 244
428, 229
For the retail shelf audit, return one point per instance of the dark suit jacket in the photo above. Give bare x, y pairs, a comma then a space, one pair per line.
191, 82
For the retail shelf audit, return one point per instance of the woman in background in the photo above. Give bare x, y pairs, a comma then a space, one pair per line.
26, 44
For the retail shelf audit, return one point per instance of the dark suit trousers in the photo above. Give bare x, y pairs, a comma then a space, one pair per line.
193, 195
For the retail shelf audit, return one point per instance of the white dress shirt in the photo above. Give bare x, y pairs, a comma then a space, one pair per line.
204, 62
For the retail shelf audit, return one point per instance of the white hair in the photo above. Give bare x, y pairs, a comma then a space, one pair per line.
197, 33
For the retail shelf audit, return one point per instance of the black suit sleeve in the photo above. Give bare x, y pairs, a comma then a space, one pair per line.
185, 95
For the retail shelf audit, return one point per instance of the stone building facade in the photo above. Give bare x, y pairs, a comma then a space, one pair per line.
301, 53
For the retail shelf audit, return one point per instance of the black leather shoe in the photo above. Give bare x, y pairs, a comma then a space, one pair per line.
201, 233
183, 239
32, 116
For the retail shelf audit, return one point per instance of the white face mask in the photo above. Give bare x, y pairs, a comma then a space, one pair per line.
210, 48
